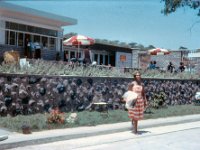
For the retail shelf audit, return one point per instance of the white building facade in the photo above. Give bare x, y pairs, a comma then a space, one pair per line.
17, 24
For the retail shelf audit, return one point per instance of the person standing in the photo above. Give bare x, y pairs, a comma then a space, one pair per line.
170, 67
137, 112
26, 48
181, 67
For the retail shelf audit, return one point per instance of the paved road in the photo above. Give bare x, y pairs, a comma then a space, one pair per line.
174, 137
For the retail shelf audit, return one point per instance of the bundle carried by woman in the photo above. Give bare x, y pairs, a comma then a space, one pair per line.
130, 98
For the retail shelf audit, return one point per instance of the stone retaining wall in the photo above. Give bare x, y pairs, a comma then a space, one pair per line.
23, 94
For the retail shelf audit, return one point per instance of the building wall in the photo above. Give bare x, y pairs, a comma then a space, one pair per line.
123, 59
135, 61
162, 61
48, 54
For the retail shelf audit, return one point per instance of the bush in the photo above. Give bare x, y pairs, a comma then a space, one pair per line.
158, 100
56, 117
196, 102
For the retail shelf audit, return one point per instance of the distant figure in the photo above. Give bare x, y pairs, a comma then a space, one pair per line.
170, 67
87, 57
37, 50
57, 56
151, 65
26, 48
181, 67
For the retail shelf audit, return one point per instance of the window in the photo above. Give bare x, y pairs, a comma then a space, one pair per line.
96, 57
106, 59
78, 55
101, 59
45, 41
30, 29
7, 25
52, 43
13, 26
22, 27
7, 37
12, 38
72, 55
52, 33
20, 39
36, 38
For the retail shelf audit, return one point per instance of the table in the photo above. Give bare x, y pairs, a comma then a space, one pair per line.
103, 106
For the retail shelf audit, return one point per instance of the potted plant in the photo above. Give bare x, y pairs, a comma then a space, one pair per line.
26, 128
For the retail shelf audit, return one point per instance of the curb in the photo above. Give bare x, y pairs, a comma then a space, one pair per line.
101, 130
3, 137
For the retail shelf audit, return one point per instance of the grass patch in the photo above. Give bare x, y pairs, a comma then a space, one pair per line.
179, 110
39, 121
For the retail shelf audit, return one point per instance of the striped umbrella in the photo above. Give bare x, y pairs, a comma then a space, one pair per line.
158, 51
78, 40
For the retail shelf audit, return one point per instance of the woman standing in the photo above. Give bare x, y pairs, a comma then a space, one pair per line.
137, 112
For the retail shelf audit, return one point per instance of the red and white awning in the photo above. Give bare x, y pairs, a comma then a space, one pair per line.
158, 51
79, 40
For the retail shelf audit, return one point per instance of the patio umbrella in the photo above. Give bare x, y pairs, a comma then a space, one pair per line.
78, 40
158, 51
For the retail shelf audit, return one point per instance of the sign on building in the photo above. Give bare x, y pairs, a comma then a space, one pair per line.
123, 60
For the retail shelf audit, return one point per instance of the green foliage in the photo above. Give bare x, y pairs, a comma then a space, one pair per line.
178, 110
171, 6
158, 100
38, 122
196, 102
42, 67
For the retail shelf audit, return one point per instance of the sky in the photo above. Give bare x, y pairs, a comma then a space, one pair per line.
139, 21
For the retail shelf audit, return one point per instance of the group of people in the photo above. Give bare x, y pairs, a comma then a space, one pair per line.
32, 49
171, 68
152, 65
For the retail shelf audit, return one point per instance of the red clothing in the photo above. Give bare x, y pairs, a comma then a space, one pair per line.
137, 112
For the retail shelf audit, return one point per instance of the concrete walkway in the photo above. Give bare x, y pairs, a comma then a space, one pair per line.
18, 139
3, 134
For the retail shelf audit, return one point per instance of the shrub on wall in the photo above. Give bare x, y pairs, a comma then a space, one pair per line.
158, 100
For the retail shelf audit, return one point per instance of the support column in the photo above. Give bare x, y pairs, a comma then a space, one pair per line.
98, 62
2, 32
104, 59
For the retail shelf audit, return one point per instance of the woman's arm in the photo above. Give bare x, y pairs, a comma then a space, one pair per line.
144, 97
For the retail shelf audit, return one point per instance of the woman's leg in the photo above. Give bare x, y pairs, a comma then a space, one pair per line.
135, 126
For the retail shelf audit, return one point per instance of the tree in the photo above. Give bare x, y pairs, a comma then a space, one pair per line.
172, 5
68, 35
132, 44
182, 48
151, 47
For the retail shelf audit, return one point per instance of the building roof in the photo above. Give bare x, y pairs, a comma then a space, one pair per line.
17, 12
107, 47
